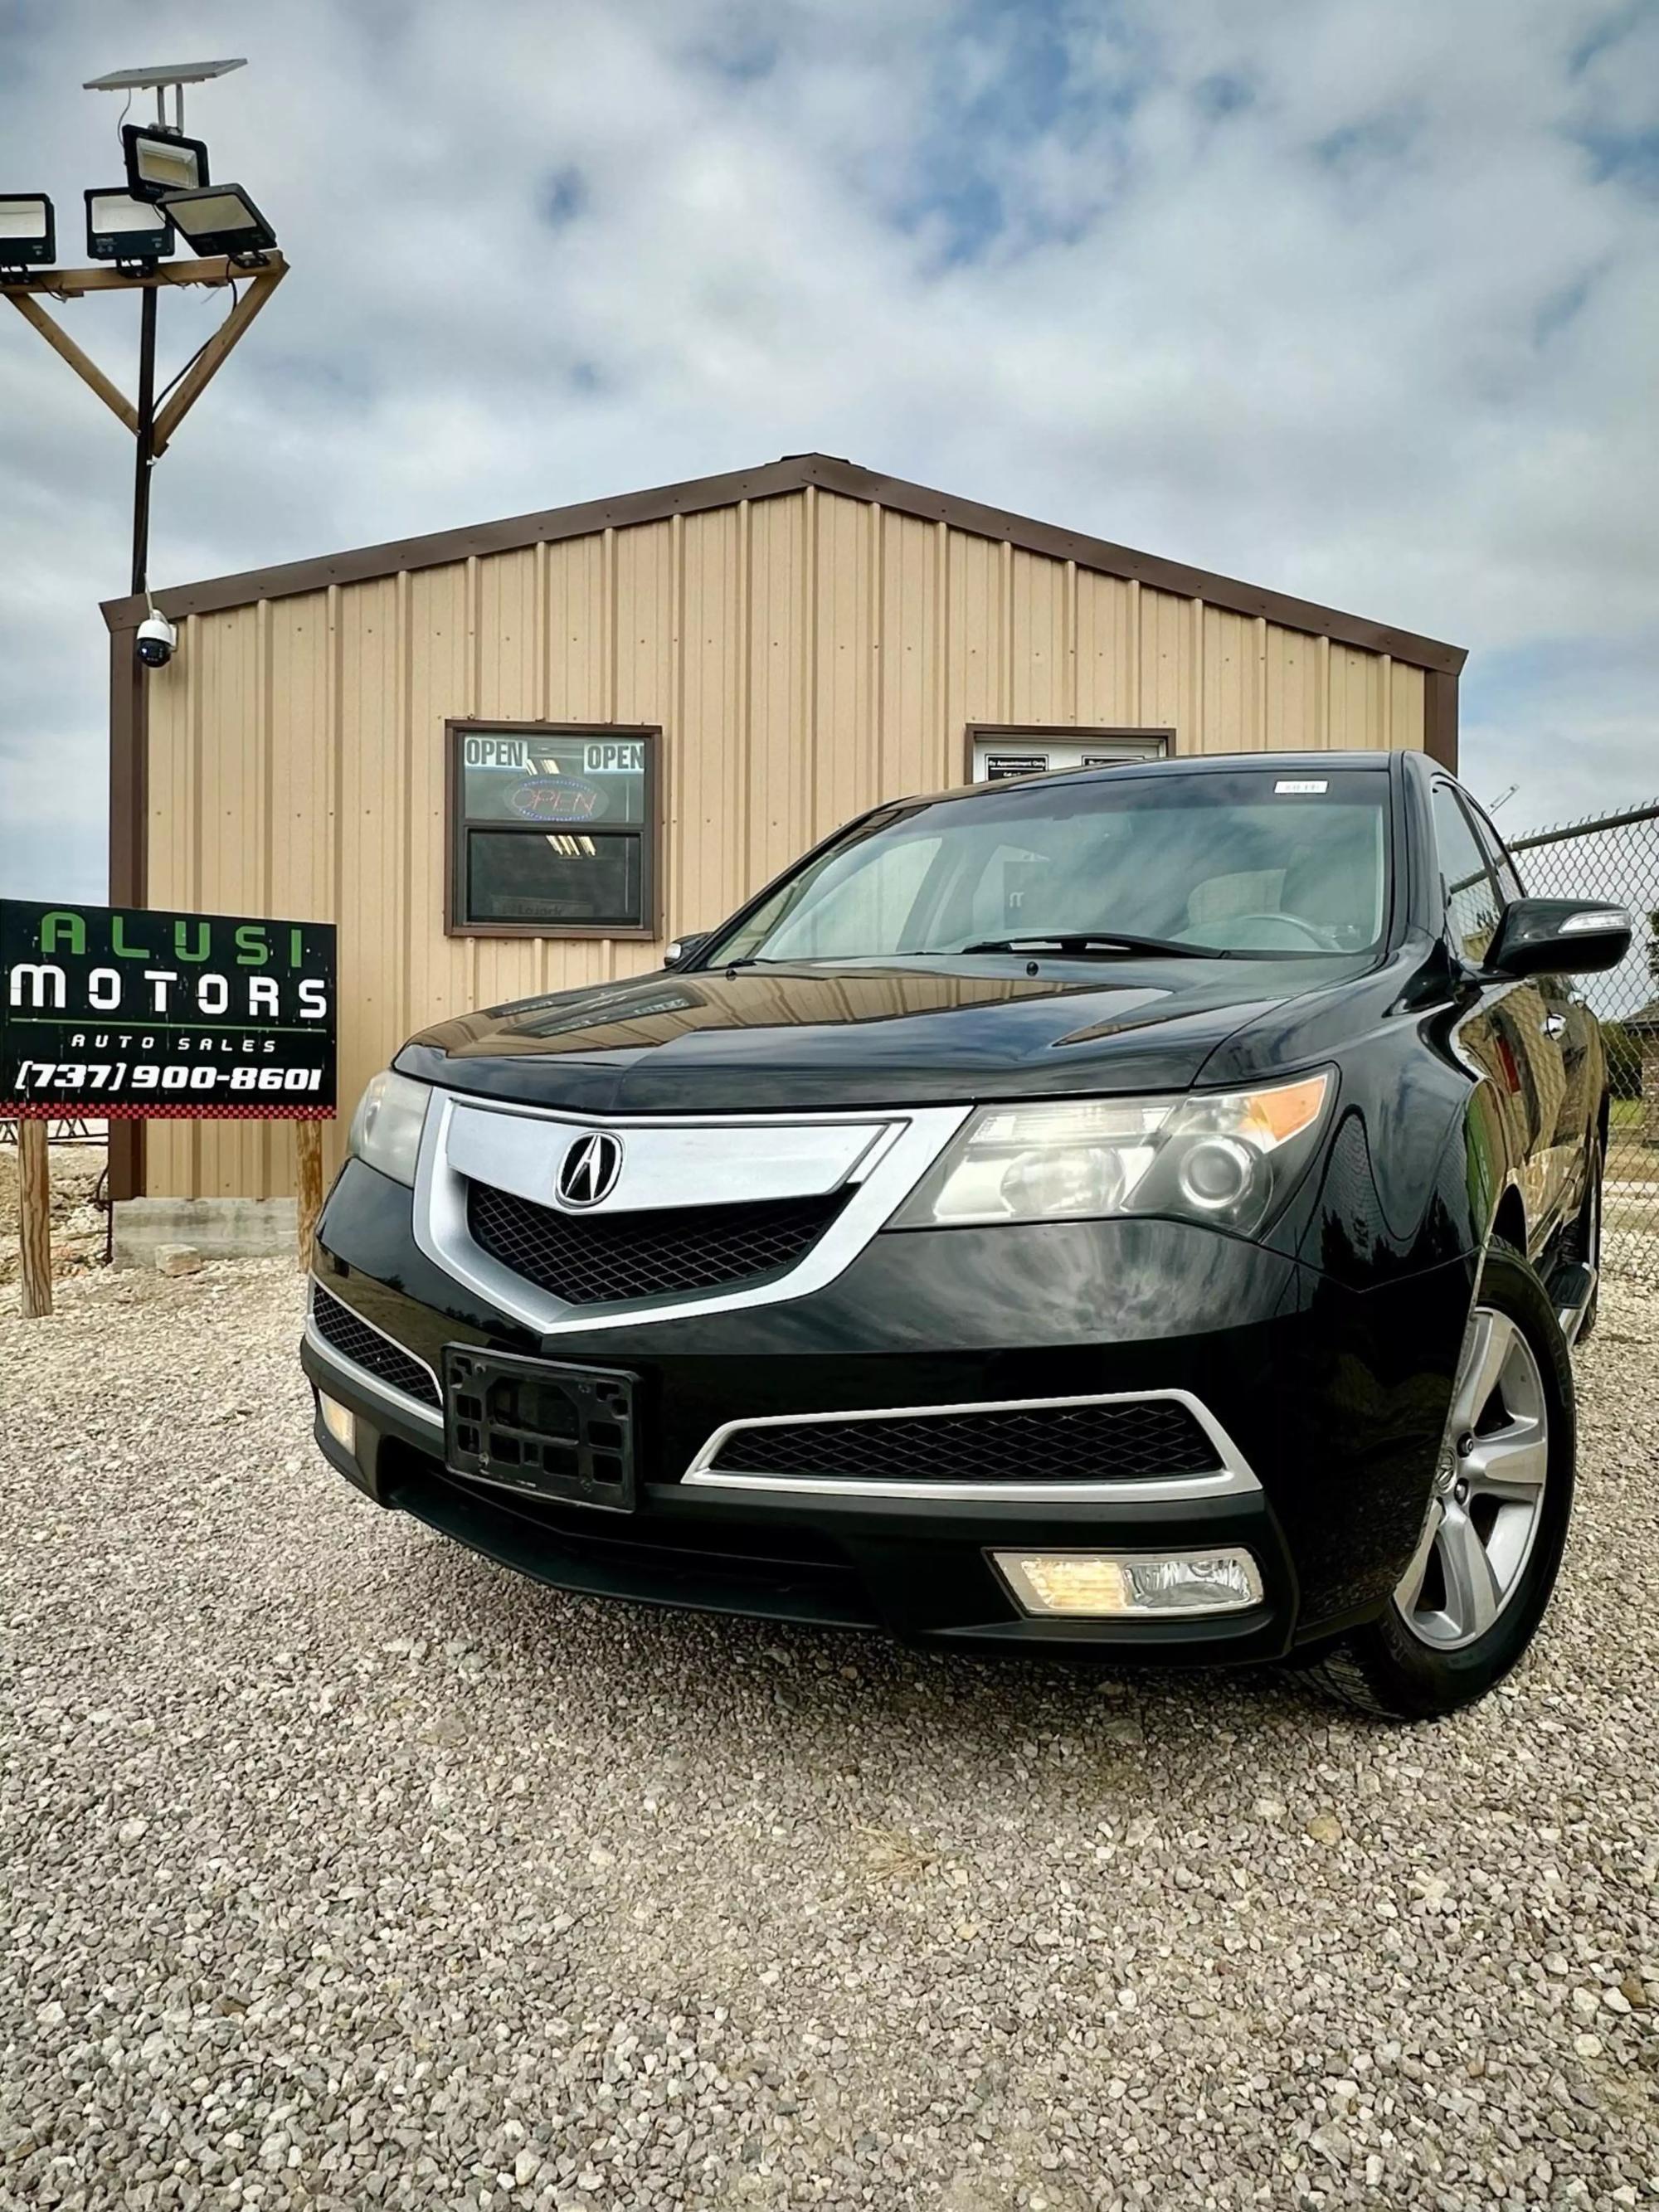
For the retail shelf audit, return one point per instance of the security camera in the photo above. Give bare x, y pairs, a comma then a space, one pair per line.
156, 639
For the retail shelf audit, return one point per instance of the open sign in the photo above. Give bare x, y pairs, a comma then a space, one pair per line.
614, 756
496, 752
557, 798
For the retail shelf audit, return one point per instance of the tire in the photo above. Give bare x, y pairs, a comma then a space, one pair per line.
1433, 1649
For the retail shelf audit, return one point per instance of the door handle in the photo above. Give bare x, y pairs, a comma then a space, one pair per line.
1555, 1024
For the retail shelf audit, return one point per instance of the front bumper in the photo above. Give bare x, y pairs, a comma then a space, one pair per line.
1334, 1402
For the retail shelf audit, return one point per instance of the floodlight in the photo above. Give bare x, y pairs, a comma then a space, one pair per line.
122, 228
161, 160
28, 236
222, 219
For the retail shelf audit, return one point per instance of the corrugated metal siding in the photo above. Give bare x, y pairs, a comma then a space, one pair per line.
807, 656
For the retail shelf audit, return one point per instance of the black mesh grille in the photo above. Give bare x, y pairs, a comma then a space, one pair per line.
1147, 1439
592, 1259
354, 1340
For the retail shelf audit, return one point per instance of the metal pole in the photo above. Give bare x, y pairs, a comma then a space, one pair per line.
146, 436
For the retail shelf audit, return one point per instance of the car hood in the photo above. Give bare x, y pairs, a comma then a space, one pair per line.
826, 1036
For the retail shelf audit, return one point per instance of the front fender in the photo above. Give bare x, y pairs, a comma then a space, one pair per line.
1404, 1182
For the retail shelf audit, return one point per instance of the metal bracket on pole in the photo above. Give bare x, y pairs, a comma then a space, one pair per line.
73, 284
262, 283
27, 296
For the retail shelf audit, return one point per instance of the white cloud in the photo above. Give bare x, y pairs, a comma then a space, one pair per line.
1358, 300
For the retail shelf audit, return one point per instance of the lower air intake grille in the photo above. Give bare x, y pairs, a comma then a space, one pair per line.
1142, 1440
598, 1259
354, 1340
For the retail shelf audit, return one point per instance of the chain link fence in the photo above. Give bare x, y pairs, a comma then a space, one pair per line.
1616, 857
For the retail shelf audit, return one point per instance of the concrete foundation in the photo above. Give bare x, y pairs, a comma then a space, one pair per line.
218, 1227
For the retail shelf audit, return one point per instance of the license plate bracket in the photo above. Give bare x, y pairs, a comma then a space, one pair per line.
541, 1426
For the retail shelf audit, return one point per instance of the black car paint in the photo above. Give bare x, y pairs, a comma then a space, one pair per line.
1342, 1393
763, 1040
1327, 1349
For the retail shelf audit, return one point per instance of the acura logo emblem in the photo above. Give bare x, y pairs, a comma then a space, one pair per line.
589, 1169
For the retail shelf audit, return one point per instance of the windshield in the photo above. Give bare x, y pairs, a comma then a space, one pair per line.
1256, 863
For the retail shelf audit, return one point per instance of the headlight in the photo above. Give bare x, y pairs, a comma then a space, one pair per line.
386, 1129
1225, 1157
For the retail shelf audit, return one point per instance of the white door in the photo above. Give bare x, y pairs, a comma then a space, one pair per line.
1001, 753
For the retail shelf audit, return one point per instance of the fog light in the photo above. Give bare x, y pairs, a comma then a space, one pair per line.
1122, 1585
340, 1422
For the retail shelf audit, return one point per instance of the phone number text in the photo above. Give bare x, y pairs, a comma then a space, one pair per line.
111, 1076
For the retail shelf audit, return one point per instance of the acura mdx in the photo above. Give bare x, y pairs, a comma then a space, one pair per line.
1142, 1212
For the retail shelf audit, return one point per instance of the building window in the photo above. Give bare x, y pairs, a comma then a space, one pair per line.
1000, 749
553, 829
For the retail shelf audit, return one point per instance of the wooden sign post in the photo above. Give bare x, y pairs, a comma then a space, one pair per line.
34, 1216
308, 1185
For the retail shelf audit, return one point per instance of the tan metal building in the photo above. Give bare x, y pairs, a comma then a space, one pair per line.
674, 694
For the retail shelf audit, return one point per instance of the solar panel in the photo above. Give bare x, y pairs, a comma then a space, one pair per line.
135, 80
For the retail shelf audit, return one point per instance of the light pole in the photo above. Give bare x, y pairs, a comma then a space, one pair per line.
130, 236
131, 233
144, 433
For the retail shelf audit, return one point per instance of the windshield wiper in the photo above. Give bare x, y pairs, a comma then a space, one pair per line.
787, 960
1105, 942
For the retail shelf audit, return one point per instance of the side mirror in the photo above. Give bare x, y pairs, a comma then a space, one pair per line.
1560, 937
683, 948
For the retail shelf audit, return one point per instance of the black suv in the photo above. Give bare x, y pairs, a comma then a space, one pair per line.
1142, 1212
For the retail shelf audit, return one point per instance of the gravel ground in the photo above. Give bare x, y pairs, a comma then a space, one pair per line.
343, 1869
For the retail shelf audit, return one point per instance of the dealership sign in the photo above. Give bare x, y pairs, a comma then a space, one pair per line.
128, 1014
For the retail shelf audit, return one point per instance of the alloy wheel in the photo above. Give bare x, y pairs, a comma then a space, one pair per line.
1488, 1496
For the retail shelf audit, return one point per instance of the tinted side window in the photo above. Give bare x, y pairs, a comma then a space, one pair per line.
1497, 858
1466, 890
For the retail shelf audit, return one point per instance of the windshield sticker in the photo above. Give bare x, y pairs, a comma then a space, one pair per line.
1292, 786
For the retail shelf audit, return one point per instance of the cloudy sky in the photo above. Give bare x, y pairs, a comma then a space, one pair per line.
1356, 298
